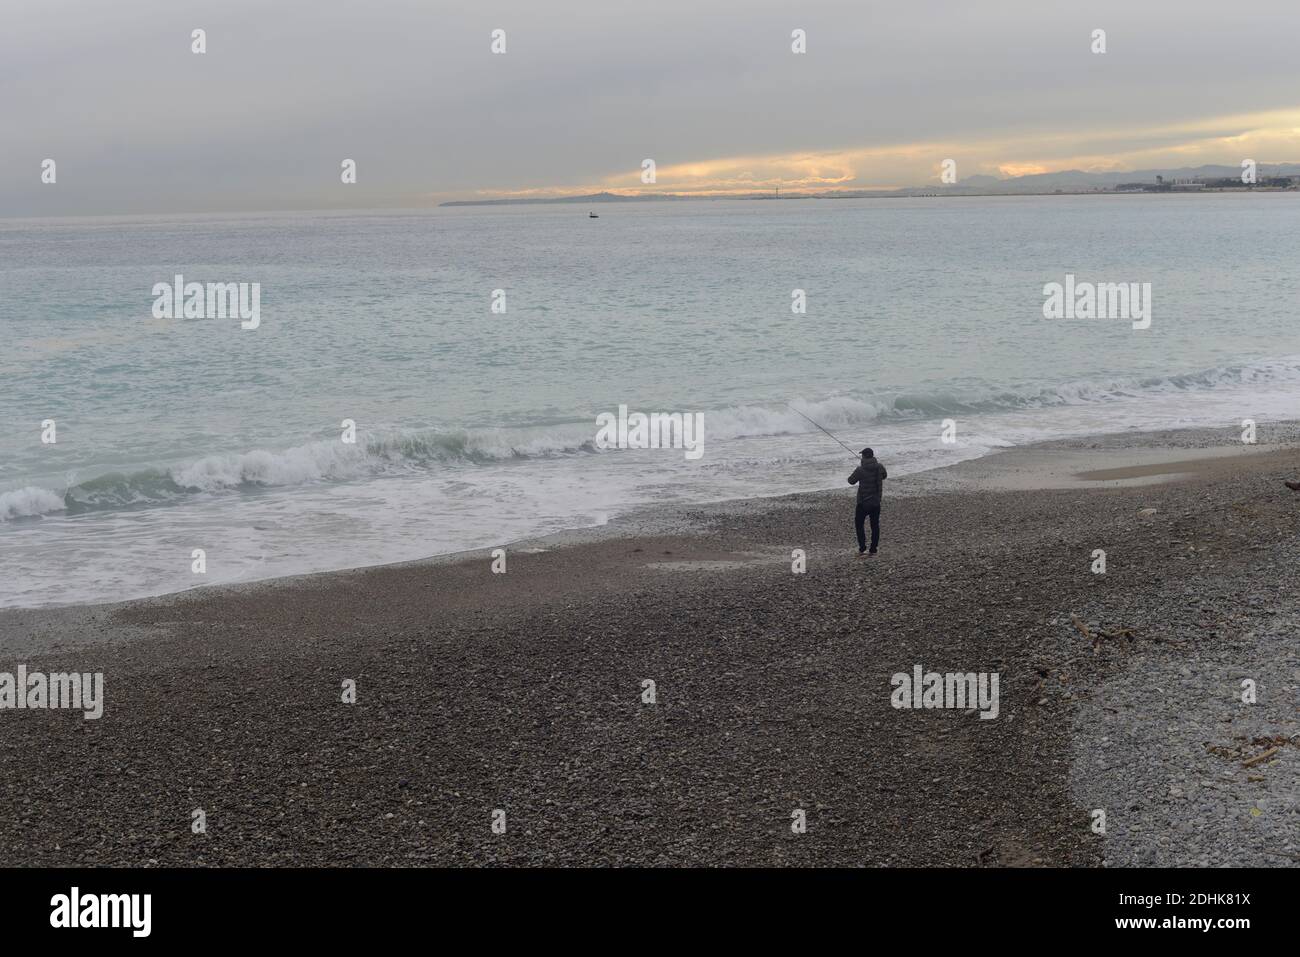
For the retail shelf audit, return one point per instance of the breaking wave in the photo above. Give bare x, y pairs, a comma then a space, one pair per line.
850, 410
29, 502
398, 453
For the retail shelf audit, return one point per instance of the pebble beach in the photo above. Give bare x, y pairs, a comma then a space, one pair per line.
478, 693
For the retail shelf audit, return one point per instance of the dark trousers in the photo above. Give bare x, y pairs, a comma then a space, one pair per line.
864, 512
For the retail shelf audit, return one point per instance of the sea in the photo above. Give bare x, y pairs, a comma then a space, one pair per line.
473, 350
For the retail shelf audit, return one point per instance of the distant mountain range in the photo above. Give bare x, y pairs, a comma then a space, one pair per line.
1078, 179
1066, 181
588, 198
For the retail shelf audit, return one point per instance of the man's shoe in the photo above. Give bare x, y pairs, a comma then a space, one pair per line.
861, 555
1293, 486
872, 552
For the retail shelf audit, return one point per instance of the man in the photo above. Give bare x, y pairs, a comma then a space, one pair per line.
869, 477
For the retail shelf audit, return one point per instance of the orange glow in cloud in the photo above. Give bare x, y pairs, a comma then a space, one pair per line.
1009, 170
1266, 137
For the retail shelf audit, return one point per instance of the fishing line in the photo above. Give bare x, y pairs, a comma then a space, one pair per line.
797, 412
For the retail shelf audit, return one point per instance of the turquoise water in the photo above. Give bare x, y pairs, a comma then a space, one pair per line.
475, 428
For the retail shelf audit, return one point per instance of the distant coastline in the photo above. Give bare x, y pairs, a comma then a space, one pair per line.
1270, 178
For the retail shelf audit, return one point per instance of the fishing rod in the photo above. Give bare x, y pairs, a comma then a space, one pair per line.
797, 412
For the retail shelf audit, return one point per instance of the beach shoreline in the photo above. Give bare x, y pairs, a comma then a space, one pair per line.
1050, 464
523, 691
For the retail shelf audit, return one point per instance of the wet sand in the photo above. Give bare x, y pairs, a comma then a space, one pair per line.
523, 691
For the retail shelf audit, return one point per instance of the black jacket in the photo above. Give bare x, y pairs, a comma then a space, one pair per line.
869, 477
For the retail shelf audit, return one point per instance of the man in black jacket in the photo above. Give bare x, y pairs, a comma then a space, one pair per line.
869, 477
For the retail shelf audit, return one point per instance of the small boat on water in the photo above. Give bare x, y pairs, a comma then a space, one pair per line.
592, 216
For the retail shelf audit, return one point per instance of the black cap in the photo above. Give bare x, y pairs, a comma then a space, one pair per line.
868, 452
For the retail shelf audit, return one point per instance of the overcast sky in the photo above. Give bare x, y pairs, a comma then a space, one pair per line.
587, 89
